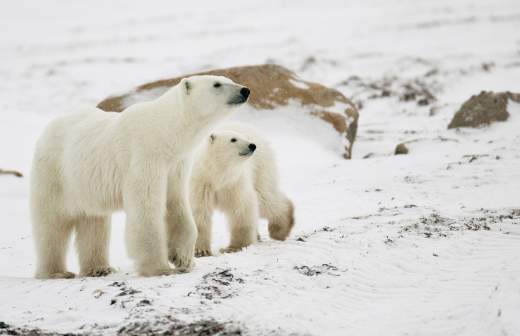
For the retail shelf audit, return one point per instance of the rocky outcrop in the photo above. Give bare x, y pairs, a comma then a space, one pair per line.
271, 86
483, 109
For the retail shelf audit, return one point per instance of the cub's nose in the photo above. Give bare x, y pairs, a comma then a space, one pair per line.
252, 147
245, 92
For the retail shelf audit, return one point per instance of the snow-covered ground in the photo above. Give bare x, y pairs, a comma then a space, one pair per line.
420, 244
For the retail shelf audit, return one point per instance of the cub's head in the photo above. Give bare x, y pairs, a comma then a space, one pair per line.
230, 148
212, 95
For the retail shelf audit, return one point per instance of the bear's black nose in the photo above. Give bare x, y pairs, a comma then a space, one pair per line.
245, 92
252, 147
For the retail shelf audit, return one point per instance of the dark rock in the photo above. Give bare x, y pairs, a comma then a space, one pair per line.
483, 109
401, 149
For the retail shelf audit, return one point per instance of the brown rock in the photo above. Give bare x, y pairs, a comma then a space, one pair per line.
271, 86
483, 109
401, 149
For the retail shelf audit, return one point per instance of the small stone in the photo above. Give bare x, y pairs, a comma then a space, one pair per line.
401, 149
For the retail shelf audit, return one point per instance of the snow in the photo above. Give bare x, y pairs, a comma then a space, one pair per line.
420, 244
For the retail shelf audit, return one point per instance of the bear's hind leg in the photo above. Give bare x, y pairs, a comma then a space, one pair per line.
92, 244
52, 234
279, 212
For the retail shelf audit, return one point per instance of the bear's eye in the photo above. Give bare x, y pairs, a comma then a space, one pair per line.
233, 140
217, 84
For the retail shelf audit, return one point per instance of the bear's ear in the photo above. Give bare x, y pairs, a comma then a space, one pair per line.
186, 85
212, 138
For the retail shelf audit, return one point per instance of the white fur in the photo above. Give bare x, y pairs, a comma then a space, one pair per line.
88, 165
244, 187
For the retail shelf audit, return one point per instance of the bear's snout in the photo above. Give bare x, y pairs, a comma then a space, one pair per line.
252, 147
240, 97
245, 92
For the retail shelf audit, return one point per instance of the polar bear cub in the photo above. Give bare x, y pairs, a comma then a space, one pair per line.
88, 165
235, 171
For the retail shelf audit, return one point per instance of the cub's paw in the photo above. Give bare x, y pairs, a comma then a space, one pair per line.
58, 275
99, 272
168, 271
156, 272
231, 249
199, 253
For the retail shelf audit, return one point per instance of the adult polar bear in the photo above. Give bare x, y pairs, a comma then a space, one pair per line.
88, 165
235, 171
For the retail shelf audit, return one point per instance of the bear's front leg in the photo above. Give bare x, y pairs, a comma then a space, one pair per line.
92, 243
144, 198
180, 225
241, 207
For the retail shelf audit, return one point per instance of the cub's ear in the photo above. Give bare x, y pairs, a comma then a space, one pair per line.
186, 85
212, 138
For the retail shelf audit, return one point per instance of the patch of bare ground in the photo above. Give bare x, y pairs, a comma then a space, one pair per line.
304, 237
7, 329
161, 326
416, 90
435, 225
169, 326
218, 285
317, 270
470, 158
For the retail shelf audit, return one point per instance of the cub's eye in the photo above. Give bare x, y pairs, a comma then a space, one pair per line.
217, 84
233, 140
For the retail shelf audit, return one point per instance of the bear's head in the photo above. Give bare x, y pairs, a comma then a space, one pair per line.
229, 149
207, 96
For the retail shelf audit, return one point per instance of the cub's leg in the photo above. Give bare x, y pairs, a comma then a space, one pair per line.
202, 204
92, 244
144, 197
180, 225
202, 216
241, 208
